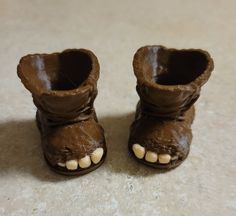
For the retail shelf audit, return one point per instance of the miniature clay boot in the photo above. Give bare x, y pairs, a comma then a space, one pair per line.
168, 84
63, 87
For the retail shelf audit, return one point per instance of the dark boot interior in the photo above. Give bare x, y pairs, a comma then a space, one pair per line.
74, 68
178, 67
63, 71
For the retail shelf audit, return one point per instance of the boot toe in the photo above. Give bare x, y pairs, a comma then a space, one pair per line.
159, 144
75, 149
83, 163
155, 159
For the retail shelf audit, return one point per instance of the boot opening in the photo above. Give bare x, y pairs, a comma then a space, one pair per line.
176, 67
63, 71
74, 69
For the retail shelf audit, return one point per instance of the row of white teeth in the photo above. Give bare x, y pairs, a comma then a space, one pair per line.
84, 162
150, 156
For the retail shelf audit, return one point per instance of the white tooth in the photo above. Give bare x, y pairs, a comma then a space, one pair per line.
174, 157
72, 164
164, 158
138, 150
61, 164
96, 156
151, 157
85, 162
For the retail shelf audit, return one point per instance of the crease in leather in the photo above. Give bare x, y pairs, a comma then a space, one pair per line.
166, 111
80, 113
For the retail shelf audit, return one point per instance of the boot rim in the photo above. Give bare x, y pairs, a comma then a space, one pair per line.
83, 87
193, 85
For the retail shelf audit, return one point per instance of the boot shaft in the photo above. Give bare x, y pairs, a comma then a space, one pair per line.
63, 85
168, 80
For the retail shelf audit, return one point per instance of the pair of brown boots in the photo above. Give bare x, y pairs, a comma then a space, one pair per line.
64, 87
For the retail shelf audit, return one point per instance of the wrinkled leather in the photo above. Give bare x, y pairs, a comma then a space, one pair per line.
66, 118
165, 113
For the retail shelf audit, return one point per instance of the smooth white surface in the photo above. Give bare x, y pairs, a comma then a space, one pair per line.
205, 184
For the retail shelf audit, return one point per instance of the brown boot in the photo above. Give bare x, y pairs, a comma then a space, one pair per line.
63, 87
168, 83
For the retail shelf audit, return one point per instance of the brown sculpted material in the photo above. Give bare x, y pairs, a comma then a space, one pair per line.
168, 84
64, 87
